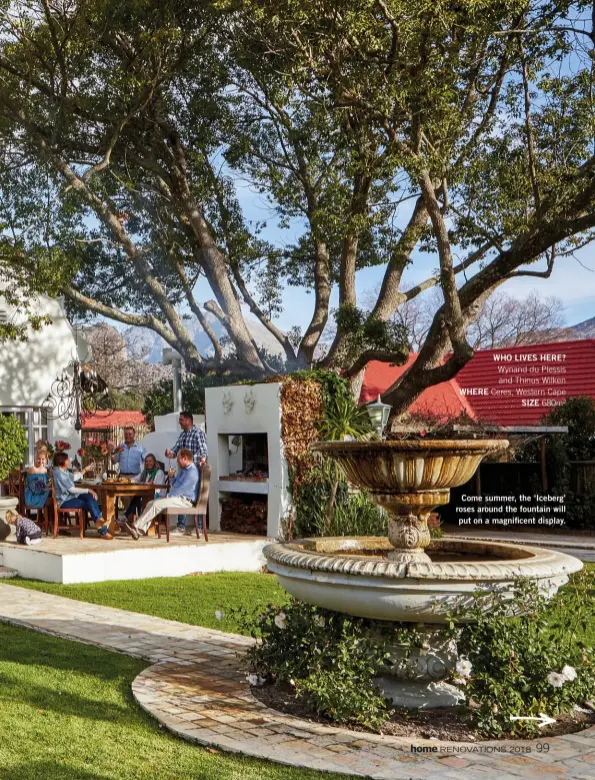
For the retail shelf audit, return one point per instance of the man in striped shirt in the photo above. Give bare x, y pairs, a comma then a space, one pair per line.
193, 439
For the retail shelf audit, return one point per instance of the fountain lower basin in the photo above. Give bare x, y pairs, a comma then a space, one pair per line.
355, 575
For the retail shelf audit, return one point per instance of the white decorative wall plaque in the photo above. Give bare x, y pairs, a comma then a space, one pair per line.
249, 402
227, 402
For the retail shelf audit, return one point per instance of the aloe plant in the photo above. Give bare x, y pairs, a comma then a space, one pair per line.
342, 417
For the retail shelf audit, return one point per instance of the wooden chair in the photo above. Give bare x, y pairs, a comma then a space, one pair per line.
16, 488
197, 509
66, 514
40, 515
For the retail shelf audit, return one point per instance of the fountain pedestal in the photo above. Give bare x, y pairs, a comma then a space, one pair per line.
416, 677
408, 514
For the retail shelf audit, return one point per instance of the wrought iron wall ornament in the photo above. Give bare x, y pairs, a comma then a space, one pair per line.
78, 393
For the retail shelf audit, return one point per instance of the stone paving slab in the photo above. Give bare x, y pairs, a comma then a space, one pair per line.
196, 688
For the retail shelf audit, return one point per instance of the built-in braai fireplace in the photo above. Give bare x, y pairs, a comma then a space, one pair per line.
249, 479
248, 457
245, 512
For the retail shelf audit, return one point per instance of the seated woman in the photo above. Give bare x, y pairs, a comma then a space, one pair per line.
150, 475
70, 497
36, 483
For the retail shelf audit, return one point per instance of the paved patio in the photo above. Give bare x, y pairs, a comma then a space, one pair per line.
196, 688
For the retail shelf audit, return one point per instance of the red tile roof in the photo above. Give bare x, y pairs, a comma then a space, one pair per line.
520, 385
114, 420
441, 401
510, 386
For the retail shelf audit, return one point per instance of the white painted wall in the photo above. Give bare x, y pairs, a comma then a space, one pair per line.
136, 563
165, 435
244, 409
27, 369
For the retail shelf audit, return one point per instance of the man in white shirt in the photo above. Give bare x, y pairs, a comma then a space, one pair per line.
129, 456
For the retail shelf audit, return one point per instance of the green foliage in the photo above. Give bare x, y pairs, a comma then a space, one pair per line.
323, 504
362, 332
159, 400
580, 509
332, 385
513, 657
330, 659
357, 515
343, 417
578, 413
353, 514
126, 400
13, 444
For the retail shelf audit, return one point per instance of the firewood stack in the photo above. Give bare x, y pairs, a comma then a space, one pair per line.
244, 515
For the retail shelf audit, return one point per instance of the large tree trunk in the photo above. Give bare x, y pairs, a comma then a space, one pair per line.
215, 268
322, 295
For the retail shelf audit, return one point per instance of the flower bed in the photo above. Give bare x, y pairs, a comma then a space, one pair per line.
323, 664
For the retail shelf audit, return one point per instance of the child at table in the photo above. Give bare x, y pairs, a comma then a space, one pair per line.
28, 532
36, 483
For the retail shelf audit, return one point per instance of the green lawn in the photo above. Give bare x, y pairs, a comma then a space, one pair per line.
191, 600
66, 710
67, 713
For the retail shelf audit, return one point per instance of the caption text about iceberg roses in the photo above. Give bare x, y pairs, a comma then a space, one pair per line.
538, 509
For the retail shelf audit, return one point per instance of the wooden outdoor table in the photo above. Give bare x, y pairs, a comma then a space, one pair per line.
107, 492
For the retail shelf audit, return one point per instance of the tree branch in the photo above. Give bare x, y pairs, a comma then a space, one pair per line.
394, 358
389, 296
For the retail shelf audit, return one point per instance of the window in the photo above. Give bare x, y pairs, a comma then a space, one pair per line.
36, 424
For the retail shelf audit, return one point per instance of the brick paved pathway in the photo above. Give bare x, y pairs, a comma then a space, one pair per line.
196, 689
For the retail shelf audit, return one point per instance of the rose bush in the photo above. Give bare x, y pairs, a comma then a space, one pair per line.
529, 663
519, 656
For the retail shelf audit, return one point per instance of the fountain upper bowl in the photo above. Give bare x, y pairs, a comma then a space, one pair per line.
403, 466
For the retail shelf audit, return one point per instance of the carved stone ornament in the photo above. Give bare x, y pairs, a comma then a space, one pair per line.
249, 402
227, 402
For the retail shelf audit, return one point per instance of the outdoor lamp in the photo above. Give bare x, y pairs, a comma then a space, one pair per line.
378, 415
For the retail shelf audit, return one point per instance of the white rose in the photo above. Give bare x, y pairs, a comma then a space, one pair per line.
281, 620
256, 680
463, 667
556, 679
219, 615
569, 673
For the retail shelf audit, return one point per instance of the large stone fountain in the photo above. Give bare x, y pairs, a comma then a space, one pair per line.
406, 577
